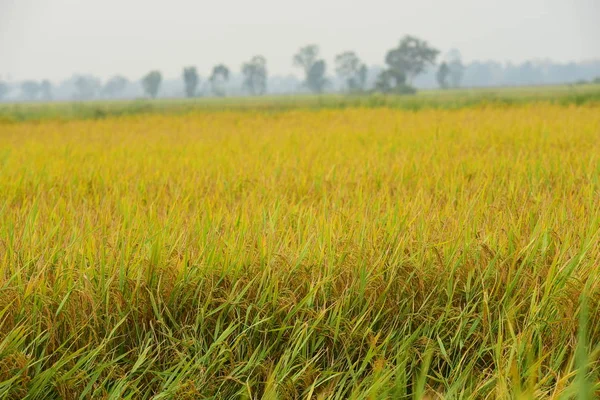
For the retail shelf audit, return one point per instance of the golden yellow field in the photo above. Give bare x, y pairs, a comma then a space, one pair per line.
358, 253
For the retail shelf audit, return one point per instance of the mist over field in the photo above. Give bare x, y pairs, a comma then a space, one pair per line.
56, 44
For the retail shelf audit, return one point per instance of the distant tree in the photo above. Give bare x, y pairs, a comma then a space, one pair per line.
363, 73
597, 80
352, 70
30, 89
389, 81
457, 69
453, 54
255, 75
87, 87
316, 80
114, 86
411, 57
46, 89
385, 82
314, 68
442, 75
486, 73
523, 74
405, 62
151, 83
218, 79
306, 57
190, 80
4, 89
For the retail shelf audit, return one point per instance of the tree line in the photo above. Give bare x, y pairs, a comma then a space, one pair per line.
405, 63
410, 58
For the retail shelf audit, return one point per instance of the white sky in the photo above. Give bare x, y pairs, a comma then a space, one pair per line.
56, 38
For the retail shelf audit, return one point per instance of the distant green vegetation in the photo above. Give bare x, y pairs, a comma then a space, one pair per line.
428, 99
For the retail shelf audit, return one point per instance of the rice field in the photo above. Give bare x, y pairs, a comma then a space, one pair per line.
355, 253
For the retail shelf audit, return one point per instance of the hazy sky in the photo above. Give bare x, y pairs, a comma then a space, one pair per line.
56, 38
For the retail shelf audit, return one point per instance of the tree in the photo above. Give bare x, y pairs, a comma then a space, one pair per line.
190, 80
151, 83
316, 81
87, 87
306, 57
4, 89
393, 81
255, 75
363, 72
385, 82
352, 70
46, 89
389, 81
314, 68
442, 75
30, 89
114, 86
405, 62
218, 79
457, 69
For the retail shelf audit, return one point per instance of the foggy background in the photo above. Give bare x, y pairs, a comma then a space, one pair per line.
514, 42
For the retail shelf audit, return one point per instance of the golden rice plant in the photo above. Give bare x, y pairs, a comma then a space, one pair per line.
344, 254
